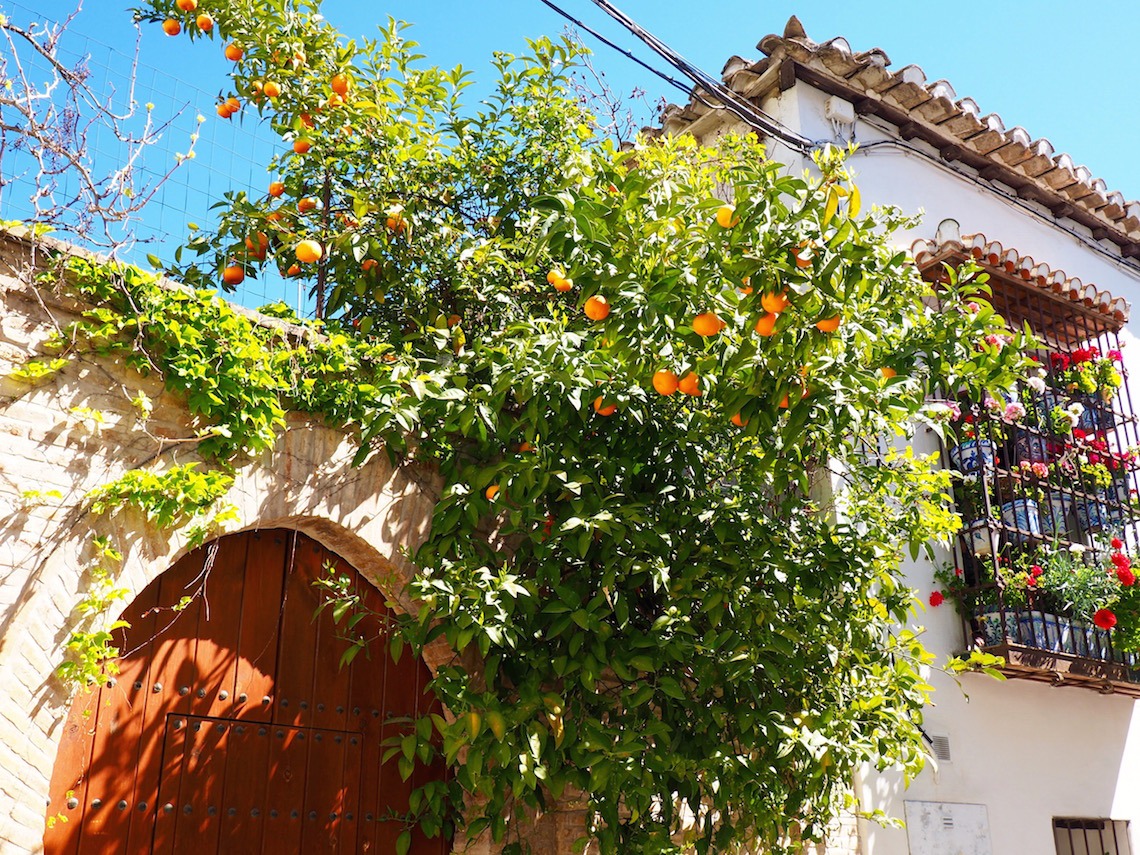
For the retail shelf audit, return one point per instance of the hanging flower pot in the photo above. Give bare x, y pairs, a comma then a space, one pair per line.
988, 626
1031, 448
1092, 511
1054, 516
1021, 514
972, 455
1046, 631
978, 537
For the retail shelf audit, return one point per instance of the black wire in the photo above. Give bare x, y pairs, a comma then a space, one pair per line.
738, 106
672, 81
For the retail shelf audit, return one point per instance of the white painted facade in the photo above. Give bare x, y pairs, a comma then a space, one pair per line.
1022, 753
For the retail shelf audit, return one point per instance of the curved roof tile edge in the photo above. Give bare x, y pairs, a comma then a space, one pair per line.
992, 254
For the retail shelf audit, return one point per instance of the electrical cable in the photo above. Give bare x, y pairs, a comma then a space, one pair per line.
733, 102
672, 81
729, 100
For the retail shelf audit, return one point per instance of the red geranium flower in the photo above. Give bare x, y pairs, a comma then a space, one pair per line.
1117, 543
1126, 577
1121, 561
1104, 619
1035, 571
936, 599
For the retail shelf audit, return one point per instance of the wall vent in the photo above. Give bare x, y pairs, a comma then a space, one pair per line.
940, 745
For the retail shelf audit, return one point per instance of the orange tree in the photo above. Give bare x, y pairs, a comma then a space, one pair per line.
667, 551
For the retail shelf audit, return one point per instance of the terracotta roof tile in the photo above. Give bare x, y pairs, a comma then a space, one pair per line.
932, 111
948, 243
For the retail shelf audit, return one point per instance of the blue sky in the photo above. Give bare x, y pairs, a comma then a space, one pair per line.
1058, 74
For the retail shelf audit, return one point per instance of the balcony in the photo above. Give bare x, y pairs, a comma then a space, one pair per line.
1046, 484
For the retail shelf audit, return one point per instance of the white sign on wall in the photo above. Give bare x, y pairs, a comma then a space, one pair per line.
947, 828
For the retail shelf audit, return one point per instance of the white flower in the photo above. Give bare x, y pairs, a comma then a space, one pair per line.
1076, 548
1037, 384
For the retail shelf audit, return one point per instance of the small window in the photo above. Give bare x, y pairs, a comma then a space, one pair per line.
1081, 836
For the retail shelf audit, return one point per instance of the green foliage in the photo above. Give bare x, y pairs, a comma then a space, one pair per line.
90, 649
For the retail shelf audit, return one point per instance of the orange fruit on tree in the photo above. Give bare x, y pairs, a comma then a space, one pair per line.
271, 89
258, 245
665, 382
301, 146
746, 286
233, 274
597, 308
525, 446
767, 324
552, 276
233, 52
784, 402
234, 104
563, 285
707, 324
306, 121
368, 264
339, 84
307, 204
224, 110
276, 188
309, 251
335, 101
691, 384
205, 22
828, 325
293, 270
739, 420
775, 303
726, 217
187, 5
491, 492
888, 373
396, 223
454, 321
171, 27
273, 216
603, 409
803, 255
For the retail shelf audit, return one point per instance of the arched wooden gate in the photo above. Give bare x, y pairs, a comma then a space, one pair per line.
231, 728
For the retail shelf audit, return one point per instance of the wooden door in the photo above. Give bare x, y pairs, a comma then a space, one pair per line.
231, 728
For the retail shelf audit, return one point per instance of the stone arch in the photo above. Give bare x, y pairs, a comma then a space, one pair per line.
231, 727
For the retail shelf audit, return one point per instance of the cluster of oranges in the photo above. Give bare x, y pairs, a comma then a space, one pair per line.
172, 26
708, 324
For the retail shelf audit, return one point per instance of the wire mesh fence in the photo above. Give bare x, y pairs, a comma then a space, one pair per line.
145, 133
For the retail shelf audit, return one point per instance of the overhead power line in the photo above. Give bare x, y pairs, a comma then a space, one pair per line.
729, 100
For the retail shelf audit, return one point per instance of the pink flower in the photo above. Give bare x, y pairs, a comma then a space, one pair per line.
1115, 356
995, 341
972, 308
1041, 470
1104, 619
936, 599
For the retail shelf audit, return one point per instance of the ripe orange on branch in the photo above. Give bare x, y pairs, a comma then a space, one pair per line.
171, 27
665, 382
491, 492
739, 420
828, 325
187, 5
726, 217
301, 146
597, 308
603, 409
233, 52
205, 23
309, 251
233, 274
766, 326
307, 204
691, 384
775, 303
707, 324
276, 188
271, 89
339, 84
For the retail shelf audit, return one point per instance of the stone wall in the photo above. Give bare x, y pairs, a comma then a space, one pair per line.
369, 514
